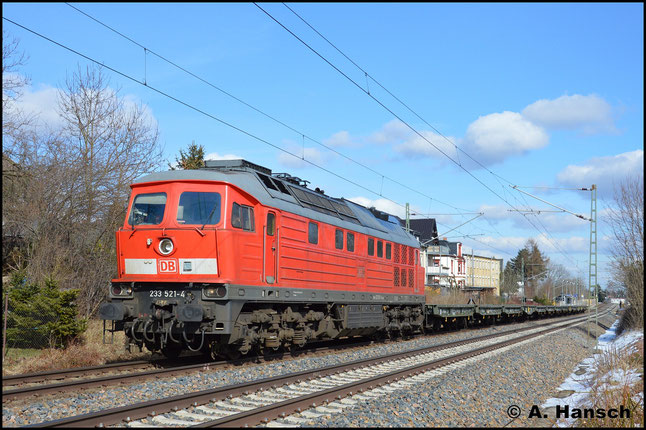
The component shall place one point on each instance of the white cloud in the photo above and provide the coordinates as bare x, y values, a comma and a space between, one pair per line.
417, 145
604, 172
573, 244
490, 139
509, 244
493, 138
340, 139
494, 212
310, 154
591, 114
552, 222
393, 132
512, 244
216, 156
383, 205
42, 104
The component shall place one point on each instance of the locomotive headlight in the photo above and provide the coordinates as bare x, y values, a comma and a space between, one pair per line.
214, 292
166, 246
122, 290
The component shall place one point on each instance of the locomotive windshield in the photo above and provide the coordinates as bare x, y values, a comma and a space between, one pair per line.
147, 209
199, 208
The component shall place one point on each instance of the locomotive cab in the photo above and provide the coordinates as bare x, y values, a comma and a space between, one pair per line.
169, 262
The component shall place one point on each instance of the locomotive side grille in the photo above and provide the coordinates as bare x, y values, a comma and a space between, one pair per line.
396, 252
410, 278
403, 275
396, 276
411, 256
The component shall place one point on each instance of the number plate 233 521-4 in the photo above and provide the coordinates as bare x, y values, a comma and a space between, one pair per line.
167, 294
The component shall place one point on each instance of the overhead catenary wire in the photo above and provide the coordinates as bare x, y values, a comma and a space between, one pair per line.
302, 134
368, 75
397, 116
177, 100
144, 83
260, 111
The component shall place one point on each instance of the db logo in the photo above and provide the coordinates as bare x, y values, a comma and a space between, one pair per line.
168, 266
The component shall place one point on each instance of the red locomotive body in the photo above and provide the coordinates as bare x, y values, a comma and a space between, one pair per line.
230, 258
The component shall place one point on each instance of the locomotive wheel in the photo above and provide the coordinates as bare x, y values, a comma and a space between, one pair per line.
171, 351
229, 352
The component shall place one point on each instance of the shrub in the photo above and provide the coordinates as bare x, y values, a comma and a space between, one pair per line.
41, 315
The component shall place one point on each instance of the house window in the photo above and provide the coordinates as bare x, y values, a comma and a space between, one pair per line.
338, 239
313, 233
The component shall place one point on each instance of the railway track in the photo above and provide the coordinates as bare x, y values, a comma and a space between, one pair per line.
122, 373
61, 374
265, 400
161, 368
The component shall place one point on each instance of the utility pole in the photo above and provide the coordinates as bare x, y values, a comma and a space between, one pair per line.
592, 280
522, 274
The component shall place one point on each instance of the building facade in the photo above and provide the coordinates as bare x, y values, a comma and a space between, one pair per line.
448, 268
445, 265
483, 273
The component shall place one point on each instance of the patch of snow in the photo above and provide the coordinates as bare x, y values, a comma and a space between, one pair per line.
580, 383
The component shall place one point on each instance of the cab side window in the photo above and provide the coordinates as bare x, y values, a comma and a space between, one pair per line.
242, 217
371, 246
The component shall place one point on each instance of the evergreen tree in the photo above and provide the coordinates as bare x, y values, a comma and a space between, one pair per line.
41, 316
192, 159
529, 265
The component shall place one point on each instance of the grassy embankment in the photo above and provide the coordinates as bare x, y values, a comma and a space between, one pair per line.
88, 350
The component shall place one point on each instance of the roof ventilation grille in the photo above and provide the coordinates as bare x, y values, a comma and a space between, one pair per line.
238, 164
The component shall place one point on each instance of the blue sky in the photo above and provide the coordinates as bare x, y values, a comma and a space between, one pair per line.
538, 94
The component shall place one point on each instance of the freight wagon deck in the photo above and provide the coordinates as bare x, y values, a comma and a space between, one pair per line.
450, 316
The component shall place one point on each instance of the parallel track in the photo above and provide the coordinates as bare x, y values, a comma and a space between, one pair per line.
164, 369
219, 395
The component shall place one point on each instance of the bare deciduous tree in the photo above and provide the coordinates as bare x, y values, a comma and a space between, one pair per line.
72, 186
626, 220
556, 277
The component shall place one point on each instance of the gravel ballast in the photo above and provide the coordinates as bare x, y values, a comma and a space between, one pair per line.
442, 401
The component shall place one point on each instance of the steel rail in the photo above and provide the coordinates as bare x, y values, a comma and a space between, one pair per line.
120, 379
66, 373
290, 406
154, 407
22, 392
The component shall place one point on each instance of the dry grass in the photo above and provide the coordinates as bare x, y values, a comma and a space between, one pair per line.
88, 350
632, 318
615, 384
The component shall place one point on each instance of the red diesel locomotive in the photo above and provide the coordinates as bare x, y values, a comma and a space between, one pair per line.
230, 257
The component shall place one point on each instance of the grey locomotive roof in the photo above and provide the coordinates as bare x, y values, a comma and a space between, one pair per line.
247, 179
